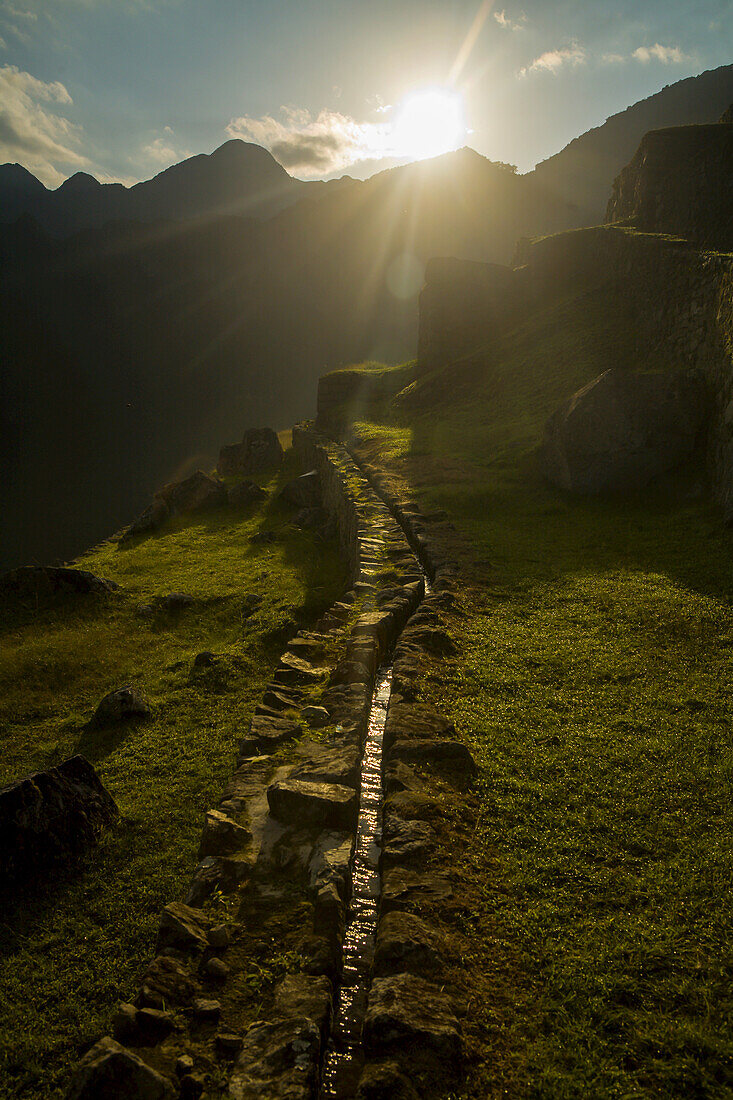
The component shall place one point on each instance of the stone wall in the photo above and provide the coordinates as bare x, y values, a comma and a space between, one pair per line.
680, 300
680, 181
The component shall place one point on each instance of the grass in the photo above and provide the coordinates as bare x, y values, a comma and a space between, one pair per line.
595, 641
74, 947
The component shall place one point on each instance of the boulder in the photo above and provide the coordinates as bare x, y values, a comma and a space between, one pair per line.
404, 943
385, 1081
109, 1072
245, 493
121, 705
303, 492
56, 814
194, 494
622, 430
306, 803
259, 450
43, 581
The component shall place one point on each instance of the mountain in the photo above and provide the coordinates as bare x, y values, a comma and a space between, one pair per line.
237, 178
583, 172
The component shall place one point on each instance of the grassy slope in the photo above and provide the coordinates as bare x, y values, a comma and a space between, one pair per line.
71, 950
594, 686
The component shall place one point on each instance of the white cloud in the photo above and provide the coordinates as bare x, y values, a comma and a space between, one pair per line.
31, 132
613, 58
20, 13
668, 55
314, 146
3, 43
509, 24
553, 60
161, 150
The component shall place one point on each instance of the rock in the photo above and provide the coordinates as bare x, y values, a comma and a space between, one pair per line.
267, 734
192, 1086
206, 1009
406, 841
154, 1024
403, 888
109, 1072
183, 928
305, 995
184, 1065
205, 659
405, 1013
245, 493
259, 450
385, 1081
305, 803
404, 943
42, 581
217, 969
122, 705
166, 982
316, 717
303, 491
219, 938
329, 913
279, 1059
151, 519
293, 670
221, 835
228, 1042
194, 494
416, 722
124, 1024
330, 861
177, 601
53, 815
622, 430
447, 756
328, 764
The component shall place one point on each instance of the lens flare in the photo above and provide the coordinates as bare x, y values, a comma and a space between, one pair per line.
429, 123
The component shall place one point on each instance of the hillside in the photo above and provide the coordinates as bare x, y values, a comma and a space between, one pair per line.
146, 346
581, 173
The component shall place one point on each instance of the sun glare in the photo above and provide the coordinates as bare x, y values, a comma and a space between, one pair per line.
429, 123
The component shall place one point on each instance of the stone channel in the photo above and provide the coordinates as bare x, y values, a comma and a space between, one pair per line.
294, 845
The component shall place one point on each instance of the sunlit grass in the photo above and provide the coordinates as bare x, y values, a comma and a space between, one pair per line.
74, 947
596, 654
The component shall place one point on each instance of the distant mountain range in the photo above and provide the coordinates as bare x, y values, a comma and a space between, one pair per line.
241, 179
143, 327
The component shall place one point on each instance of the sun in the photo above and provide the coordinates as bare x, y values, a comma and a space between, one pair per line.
429, 123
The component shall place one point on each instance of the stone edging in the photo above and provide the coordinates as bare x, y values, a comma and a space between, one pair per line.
299, 817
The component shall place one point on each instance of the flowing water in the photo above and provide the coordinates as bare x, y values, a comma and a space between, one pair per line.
344, 1059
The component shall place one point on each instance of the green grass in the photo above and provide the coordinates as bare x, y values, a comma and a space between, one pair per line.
596, 642
77, 944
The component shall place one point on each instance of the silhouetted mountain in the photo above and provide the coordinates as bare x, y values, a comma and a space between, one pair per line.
237, 178
583, 172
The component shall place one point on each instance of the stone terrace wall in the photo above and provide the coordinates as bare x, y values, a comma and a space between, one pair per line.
680, 298
680, 181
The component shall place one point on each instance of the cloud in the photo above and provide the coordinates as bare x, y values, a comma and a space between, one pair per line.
30, 130
313, 146
613, 58
668, 55
553, 60
3, 43
509, 24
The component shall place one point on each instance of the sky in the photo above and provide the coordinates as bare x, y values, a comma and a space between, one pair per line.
124, 88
